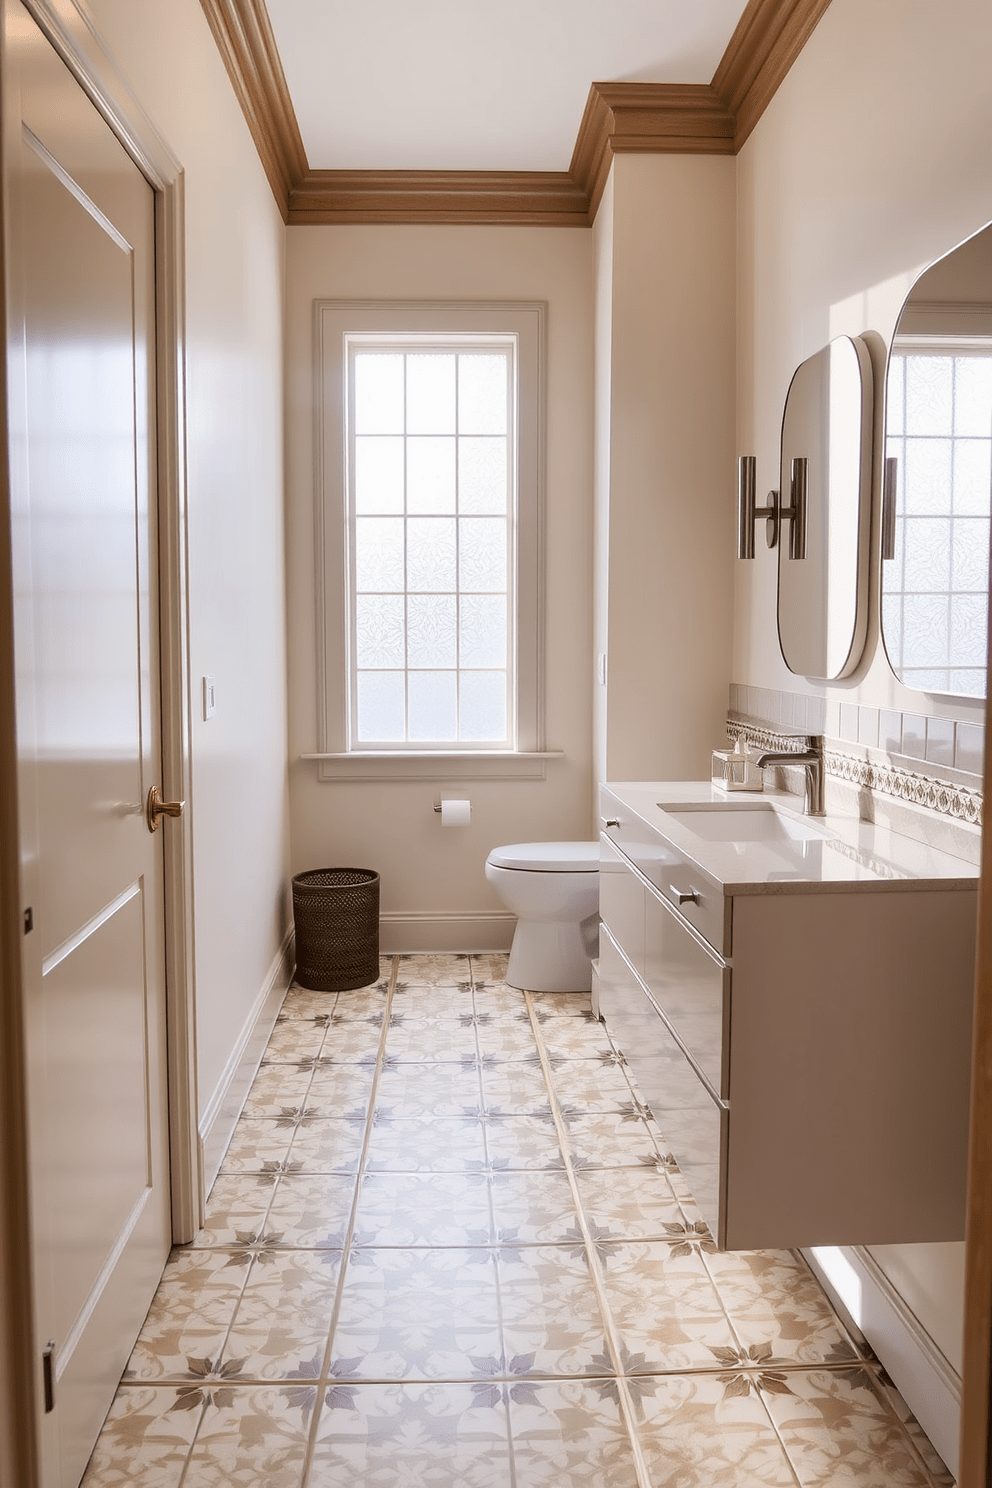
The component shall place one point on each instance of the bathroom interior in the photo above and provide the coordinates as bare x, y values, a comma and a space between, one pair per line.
675, 321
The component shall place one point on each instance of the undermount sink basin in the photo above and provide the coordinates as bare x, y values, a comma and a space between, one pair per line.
751, 821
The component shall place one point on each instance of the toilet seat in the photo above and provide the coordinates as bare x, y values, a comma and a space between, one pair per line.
547, 857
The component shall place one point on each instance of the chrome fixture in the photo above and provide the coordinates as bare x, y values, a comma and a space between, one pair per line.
775, 513
811, 759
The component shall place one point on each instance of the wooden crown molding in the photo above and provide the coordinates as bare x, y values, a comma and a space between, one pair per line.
620, 118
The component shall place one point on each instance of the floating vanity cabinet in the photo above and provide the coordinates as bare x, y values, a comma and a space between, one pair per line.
804, 1043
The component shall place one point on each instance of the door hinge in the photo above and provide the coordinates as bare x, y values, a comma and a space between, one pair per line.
48, 1372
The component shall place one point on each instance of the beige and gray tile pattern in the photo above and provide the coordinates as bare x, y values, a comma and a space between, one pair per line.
449, 1248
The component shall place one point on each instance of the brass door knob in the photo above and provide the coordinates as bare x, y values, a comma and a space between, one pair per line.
157, 808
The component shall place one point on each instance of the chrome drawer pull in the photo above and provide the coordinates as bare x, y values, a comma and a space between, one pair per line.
684, 896
611, 821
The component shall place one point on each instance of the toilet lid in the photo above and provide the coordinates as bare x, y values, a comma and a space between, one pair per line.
548, 857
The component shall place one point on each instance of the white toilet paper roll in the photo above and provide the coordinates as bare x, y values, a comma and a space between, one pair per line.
456, 813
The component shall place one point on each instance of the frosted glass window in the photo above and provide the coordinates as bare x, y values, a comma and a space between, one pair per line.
432, 513
935, 601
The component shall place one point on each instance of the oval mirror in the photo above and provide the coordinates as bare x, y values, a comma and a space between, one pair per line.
825, 484
937, 488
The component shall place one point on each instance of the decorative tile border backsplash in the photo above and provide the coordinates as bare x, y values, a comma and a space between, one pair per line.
946, 745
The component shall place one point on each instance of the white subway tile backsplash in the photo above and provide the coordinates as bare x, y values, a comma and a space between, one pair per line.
831, 726
940, 741
849, 722
914, 736
816, 715
890, 731
868, 727
969, 747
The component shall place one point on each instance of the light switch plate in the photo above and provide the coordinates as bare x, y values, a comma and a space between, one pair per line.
209, 698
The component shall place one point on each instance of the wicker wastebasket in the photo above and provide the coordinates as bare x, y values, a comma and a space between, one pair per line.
336, 913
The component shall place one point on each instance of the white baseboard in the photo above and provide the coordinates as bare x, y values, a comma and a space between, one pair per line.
929, 1384
221, 1113
485, 930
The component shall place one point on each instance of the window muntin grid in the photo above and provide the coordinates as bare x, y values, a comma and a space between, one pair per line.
432, 516
935, 590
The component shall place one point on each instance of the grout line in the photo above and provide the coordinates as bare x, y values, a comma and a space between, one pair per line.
349, 1233
626, 1403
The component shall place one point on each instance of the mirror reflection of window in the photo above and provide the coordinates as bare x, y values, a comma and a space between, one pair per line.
939, 430
938, 435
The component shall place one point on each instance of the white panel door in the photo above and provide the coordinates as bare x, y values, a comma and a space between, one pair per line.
80, 230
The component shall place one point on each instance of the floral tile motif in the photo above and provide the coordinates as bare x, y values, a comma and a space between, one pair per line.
423, 1209
445, 1144
326, 1145
666, 1309
576, 1038
611, 1139
515, 1089
339, 1087
283, 1317
928, 1453
303, 1003
257, 1140
146, 1440
632, 1203
310, 1211
570, 1434
837, 1428
585, 1085
552, 1323
435, 971
523, 1143
568, 1003
275, 1087
293, 1039
350, 1041
365, 1006
190, 1314
773, 1300
250, 1436
411, 1436
489, 967
507, 1038
416, 1314
701, 1431
415, 1041
496, 1000
236, 1210
424, 1090
533, 1207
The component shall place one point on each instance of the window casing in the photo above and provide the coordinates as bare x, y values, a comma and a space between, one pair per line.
429, 527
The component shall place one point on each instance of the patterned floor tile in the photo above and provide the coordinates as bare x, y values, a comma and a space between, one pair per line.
361, 1007
411, 1436
250, 1437
523, 1143
775, 1305
423, 1209
340, 1087
146, 1440
236, 1210
631, 1203
507, 1038
431, 1040
666, 1309
928, 1454
443, 1144
281, 1326
435, 971
575, 1038
707, 1432
489, 967
515, 1089
611, 1139
570, 1434
274, 1088
497, 1000
293, 1039
311, 1211
588, 1086
568, 1003
531, 1208
302, 1003
552, 1322
416, 1314
326, 1145
257, 1140
425, 1090
837, 1428
190, 1315
351, 1041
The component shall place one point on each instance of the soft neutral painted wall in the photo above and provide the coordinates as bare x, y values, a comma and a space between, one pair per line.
433, 889
235, 242
872, 160
665, 427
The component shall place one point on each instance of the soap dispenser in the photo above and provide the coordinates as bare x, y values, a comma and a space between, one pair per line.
735, 769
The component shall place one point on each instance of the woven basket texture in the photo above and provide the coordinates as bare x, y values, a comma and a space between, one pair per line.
336, 913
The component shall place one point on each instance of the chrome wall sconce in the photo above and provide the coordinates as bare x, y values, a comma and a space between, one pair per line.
775, 513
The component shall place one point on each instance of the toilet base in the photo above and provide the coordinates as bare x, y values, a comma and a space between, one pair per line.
552, 955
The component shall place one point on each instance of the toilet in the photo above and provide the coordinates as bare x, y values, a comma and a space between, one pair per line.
553, 889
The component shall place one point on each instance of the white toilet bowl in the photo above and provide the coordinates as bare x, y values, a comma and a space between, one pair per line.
553, 889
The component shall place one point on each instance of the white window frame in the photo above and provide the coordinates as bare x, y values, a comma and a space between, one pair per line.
334, 322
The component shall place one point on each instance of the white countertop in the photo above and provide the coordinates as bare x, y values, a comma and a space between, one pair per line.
849, 850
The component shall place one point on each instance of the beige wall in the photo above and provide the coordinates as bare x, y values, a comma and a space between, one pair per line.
234, 285
872, 160
434, 892
665, 491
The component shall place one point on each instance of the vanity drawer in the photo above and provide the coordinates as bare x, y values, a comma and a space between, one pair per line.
691, 985
621, 902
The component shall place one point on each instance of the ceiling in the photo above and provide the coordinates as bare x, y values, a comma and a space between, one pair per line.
477, 84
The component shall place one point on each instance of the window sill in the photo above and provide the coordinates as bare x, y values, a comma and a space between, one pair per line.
435, 765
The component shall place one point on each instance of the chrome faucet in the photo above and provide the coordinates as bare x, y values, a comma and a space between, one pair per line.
812, 760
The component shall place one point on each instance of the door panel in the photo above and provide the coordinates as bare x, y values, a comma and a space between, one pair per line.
81, 396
